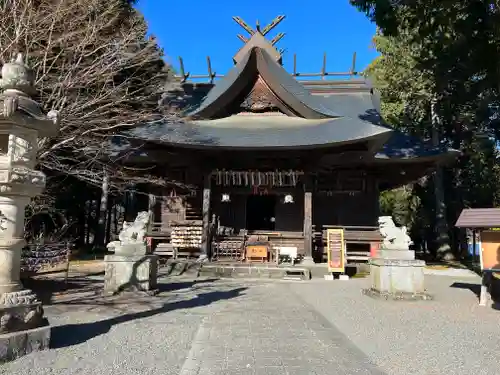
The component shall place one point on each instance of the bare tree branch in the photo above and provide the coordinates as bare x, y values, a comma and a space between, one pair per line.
94, 64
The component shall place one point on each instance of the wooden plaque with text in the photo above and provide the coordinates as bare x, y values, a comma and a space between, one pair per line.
336, 250
257, 252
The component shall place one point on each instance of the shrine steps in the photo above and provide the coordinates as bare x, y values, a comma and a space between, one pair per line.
255, 270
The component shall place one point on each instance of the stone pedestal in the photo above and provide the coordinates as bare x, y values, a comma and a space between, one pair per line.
396, 254
394, 271
397, 278
17, 344
130, 272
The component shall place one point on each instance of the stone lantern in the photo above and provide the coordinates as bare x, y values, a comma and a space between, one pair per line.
23, 328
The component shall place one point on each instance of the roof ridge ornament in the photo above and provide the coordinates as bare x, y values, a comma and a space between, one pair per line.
258, 39
270, 26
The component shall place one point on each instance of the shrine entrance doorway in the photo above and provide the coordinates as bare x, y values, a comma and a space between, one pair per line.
261, 212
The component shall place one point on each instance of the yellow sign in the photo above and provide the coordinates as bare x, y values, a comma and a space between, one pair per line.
336, 250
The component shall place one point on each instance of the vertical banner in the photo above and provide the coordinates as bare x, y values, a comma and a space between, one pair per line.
336, 250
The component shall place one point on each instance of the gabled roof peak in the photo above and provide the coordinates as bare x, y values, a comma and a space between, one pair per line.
288, 94
257, 41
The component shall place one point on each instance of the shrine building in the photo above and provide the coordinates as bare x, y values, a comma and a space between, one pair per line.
276, 157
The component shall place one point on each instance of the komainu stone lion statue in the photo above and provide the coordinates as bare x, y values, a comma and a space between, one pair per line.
394, 238
132, 233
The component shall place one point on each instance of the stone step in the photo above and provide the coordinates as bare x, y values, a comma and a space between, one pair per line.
260, 272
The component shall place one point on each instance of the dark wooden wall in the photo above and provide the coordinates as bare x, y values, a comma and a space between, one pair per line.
359, 209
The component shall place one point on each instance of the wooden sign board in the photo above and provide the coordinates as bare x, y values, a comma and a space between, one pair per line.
256, 252
336, 250
490, 251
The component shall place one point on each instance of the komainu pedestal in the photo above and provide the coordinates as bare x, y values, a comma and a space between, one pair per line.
130, 268
397, 279
394, 271
130, 273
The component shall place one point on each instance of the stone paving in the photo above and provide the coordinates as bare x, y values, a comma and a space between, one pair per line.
261, 327
270, 332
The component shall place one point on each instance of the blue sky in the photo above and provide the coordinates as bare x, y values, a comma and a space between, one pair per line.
195, 29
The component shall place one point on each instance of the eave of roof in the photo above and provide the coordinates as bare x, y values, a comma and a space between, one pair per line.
404, 148
479, 218
263, 132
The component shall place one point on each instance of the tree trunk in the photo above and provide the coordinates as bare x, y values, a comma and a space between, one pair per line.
442, 240
103, 211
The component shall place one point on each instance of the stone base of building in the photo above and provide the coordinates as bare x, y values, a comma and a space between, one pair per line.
17, 344
397, 278
138, 273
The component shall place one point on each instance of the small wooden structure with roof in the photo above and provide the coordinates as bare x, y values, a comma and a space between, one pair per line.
276, 157
486, 221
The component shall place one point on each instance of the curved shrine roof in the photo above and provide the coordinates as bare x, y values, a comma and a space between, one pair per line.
313, 113
309, 120
254, 131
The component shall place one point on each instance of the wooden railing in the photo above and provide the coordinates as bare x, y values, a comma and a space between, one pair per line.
353, 236
232, 246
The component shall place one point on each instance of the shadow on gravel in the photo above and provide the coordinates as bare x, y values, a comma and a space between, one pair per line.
95, 297
173, 286
494, 290
47, 289
74, 334
473, 287
178, 268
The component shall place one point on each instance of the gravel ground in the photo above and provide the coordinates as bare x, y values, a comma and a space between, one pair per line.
449, 335
262, 327
94, 335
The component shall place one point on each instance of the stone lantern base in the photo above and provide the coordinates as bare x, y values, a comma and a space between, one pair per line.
23, 328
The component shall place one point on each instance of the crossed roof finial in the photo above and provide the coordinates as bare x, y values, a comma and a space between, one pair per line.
275, 22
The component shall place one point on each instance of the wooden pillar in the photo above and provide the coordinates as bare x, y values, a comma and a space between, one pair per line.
205, 237
376, 190
308, 235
